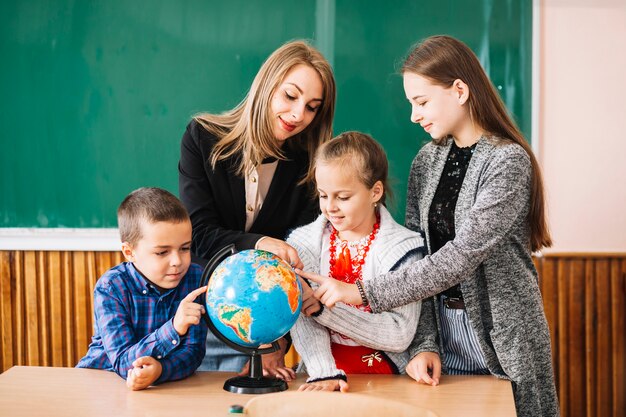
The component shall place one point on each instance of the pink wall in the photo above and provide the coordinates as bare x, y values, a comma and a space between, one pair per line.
582, 122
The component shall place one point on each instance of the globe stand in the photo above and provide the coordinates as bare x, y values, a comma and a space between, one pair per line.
254, 382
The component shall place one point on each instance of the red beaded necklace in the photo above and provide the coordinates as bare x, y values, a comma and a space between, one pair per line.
344, 268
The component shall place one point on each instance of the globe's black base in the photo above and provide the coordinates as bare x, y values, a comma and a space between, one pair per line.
249, 385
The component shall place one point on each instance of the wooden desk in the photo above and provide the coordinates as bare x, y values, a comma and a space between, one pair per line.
28, 391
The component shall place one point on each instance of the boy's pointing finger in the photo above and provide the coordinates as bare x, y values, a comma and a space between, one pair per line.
195, 293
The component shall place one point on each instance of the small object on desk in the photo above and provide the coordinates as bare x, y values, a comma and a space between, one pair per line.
236, 409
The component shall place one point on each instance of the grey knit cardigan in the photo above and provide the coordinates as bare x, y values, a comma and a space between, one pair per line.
390, 331
491, 259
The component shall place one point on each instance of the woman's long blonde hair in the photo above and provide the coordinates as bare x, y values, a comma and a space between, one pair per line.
444, 59
247, 130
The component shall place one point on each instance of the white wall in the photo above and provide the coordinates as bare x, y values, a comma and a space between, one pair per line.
582, 122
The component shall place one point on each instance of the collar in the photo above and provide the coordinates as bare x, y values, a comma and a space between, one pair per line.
143, 284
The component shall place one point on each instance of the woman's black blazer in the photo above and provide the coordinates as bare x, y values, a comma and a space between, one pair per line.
215, 198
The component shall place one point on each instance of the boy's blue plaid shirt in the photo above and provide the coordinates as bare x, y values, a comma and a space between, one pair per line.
132, 319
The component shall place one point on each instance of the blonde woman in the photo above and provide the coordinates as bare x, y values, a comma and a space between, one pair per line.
245, 174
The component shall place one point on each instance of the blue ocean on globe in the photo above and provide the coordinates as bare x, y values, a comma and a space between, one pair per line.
254, 298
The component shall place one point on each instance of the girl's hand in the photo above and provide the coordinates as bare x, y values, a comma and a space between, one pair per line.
331, 291
282, 249
328, 385
425, 368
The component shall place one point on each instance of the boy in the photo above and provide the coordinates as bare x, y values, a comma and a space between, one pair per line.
147, 326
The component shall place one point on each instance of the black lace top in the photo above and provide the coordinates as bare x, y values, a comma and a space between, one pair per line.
441, 215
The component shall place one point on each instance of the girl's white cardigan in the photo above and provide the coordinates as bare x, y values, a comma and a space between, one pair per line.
391, 332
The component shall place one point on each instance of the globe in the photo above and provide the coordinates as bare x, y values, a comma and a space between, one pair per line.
254, 298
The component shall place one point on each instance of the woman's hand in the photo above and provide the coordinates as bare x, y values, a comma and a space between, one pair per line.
282, 249
425, 368
328, 385
274, 363
331, 291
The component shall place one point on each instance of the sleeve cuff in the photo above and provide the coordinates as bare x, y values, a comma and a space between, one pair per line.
427, 347
256, 245
341, 375
167, 340
371, 300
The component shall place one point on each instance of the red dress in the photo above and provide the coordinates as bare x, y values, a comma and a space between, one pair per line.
355, 359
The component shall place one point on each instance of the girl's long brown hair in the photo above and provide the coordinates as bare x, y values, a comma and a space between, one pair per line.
444, 59
247, 130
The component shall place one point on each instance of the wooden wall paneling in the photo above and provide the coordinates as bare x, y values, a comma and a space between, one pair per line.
602, 365
79, 304
588, 332
90, 279
7, 340
41, 298
562, 269
18, 300
54, 288
575, 318
30, 312
548, 283
68, 272
291, 357
618, 331
104, 261
589, 336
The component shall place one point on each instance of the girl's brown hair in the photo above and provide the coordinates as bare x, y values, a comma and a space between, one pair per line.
444, 59
359, 151
247, 129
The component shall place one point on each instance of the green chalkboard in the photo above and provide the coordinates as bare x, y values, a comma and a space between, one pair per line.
95, 95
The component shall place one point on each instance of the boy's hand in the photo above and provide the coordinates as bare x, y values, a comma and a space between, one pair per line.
310, 304
144, 372
328, 385
425, 368
332, 291
188, 312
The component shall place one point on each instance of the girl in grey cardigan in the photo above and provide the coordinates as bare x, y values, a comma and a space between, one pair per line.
355, 239
476, 192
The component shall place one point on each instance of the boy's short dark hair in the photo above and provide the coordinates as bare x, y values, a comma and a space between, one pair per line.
150, 204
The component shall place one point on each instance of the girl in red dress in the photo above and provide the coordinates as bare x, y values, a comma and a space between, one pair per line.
354, 239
